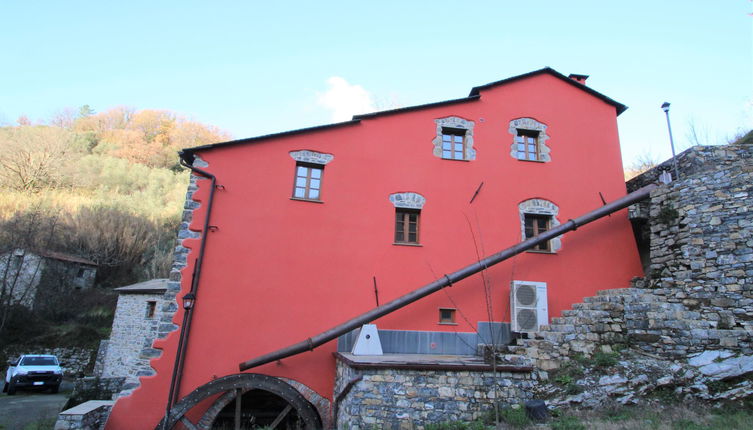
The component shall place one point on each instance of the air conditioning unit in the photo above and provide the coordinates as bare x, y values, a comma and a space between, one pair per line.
529, 307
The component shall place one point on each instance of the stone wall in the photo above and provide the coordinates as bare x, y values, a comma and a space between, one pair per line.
701, 249
410, 399
91, 415
133, 331
698, 294
74, 361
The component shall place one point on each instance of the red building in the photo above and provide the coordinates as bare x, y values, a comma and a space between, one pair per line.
311, 227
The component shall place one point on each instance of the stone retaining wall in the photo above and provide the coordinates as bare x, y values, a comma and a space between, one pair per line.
91, 415
75, 361
698, 294
409, 399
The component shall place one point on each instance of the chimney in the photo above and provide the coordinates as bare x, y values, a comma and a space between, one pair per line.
581, 79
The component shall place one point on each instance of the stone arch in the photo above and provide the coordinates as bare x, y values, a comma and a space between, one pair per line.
308, 156
408, 200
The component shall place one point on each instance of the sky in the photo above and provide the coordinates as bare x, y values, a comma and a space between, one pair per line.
253, 68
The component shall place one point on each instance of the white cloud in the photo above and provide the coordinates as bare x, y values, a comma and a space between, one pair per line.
345, 99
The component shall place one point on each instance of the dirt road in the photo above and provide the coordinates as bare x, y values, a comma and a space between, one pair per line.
26, 407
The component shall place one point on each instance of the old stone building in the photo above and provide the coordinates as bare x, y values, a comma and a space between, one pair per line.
23, 271
134, 327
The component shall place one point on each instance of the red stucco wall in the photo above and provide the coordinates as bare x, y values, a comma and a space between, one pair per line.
279, 270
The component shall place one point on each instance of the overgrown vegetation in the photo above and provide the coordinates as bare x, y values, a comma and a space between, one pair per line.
567, 376
605, 359
657, 416
104, 187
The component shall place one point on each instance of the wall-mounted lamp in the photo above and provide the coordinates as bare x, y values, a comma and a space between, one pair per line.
188, 301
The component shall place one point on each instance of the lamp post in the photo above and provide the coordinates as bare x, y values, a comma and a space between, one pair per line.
665, 108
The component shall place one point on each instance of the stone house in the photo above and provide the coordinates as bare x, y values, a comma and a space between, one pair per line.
23, 271
285, 236
134, 328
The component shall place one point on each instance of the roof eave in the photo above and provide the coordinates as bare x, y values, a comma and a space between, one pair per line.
619, 107
187, 154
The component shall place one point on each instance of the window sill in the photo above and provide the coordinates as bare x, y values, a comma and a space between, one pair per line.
306, 200
455, 159
532, 161
407, 244
533, 251
447, 323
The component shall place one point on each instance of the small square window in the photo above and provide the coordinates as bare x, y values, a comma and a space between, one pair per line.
446, 316
151, 307
406, 225
308, 181
453, 143
534, 226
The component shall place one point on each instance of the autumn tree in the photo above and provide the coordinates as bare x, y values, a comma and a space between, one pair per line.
32, 157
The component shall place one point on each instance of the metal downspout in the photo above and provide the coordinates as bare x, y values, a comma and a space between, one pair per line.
447, 280
185, 328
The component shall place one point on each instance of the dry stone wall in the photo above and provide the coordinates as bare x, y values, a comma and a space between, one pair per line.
696, 301
410, 399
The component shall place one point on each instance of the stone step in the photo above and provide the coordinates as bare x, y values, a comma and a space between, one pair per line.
616, 291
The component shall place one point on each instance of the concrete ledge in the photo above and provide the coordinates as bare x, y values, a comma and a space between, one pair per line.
91, 415
432, 362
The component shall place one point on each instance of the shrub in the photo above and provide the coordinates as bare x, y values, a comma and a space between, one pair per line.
605, 359
515, 416
567, 423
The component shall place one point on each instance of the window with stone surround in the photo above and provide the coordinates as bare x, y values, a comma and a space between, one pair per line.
407, 217
536, 217
529, 140
309, 170
454, 139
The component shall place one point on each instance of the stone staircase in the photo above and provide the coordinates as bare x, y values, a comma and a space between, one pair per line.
613, 317
651, 321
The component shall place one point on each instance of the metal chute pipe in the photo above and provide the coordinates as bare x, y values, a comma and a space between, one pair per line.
447, 280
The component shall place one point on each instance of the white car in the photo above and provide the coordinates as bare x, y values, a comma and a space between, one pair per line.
33, 371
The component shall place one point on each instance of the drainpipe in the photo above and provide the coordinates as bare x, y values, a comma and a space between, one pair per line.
185, 327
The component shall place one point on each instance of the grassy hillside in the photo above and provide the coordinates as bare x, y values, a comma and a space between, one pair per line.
107, 187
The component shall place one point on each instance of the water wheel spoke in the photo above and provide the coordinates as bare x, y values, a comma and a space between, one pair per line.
255, 395
188, 424
282, 416
238, 397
